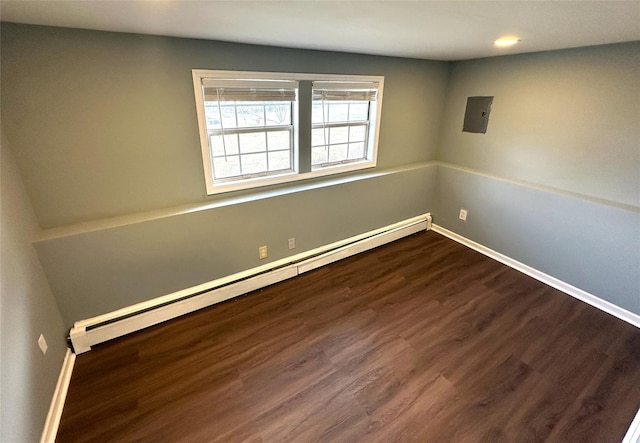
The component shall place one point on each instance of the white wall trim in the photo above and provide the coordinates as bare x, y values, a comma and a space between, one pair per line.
86, 333
633, 433
541, 187
58, 232
57, 401
578, 293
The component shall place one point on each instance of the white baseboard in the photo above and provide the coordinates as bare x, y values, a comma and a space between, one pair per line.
57, 401
89, 332
578, 293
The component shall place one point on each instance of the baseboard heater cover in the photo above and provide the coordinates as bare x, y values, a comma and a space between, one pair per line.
89, 332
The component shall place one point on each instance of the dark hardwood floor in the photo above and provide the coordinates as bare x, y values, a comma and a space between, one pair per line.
422, 340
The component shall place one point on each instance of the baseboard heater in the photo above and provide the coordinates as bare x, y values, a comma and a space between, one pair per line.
89, 332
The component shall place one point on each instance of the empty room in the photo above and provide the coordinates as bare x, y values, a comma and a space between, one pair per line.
359, 221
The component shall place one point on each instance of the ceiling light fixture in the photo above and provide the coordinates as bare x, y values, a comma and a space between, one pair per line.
506, 41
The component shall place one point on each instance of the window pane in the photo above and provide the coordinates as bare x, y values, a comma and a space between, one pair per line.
250, 116
228, 115
279, 161
278, 140
337, 153
212, 116
252, 142
254, 163
356, 151
278, 114
217, 148
359, 111
339, 135
319, 155
224, 168
317, 139
357, 133
338, 112
230, 145
316, 112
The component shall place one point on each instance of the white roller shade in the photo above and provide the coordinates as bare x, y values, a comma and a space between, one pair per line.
335, 91
249, 90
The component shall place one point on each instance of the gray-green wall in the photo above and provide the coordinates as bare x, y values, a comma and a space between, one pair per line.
27, 309
103, 130
103, 125
555, 181
99, 271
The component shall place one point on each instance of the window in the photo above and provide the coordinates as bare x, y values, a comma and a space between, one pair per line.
341, 123
252, 133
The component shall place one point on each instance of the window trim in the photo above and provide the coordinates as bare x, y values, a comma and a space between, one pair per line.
288, 176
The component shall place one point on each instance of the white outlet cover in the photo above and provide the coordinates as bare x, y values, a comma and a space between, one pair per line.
292, 243
42, 343
463, 214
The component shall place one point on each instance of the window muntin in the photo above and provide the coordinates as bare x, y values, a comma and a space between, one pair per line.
251, 134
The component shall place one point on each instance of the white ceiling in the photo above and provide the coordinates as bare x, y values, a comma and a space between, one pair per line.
438, 30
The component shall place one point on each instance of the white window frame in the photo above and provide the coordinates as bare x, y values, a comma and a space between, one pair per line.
343, 93
226, 185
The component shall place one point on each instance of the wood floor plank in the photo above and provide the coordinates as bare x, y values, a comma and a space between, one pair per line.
421, 340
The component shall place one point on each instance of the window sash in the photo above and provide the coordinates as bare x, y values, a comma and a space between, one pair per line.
240, 154
230, 131
328, 93
217, 108
328, 143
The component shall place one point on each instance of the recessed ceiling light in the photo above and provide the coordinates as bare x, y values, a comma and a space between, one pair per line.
506, 41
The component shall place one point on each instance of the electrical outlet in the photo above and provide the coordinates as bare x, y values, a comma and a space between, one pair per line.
262, 252
463, 214
42, 343
292, 243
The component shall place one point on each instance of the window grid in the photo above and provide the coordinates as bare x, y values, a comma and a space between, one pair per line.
267, 165
326, 125
243, 156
